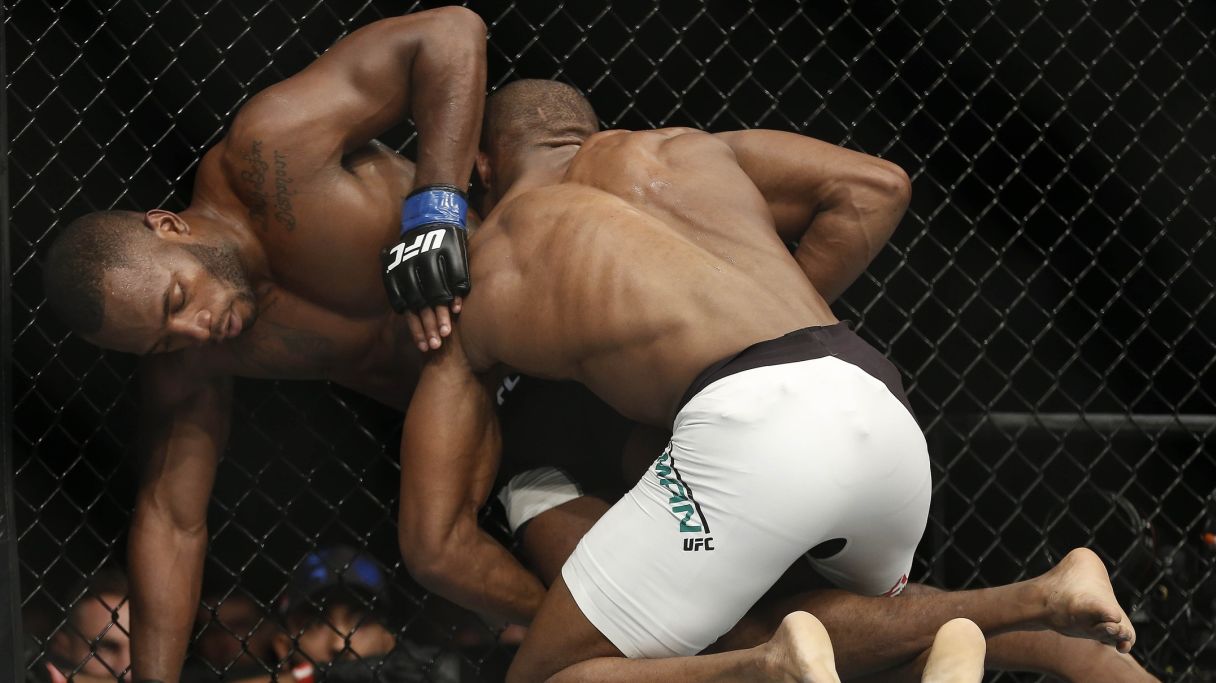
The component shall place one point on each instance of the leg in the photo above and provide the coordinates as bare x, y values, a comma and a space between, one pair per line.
563, 645
873, 634
870, 634
549, 538
1073, 660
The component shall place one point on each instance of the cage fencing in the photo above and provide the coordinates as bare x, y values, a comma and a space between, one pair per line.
1048, 297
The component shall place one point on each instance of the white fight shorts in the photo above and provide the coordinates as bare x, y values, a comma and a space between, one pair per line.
800, 442
534, 492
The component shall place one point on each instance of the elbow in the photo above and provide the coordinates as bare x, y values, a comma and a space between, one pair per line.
459, 25
428, 557
890, 183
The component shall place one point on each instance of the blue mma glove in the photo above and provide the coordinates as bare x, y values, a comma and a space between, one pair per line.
429, 266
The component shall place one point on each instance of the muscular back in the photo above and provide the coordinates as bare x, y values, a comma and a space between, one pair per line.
654, 257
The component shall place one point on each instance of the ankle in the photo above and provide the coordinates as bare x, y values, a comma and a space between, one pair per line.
1035, 602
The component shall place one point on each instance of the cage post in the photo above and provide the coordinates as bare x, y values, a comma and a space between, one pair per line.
10, 592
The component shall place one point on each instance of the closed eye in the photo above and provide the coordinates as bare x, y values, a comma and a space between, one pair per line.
179, 297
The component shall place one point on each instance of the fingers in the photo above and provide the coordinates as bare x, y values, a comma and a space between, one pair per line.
445, 320
416, 330
430, 327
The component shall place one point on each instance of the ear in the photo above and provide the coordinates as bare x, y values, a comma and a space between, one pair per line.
166, 223
484, 172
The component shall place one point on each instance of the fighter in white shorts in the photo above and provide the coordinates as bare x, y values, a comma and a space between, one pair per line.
801, 443
631, 262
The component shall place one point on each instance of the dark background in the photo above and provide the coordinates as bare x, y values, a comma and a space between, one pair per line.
1059, 257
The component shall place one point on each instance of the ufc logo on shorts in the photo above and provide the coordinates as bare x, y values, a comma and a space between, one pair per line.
695, 544
422, 244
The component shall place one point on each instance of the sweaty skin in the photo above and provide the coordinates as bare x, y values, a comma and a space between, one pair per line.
653, 258
308, 199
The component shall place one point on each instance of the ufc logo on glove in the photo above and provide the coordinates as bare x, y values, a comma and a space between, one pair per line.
429, 265
422, 243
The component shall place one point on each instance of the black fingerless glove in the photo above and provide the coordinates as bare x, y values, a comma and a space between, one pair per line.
429, 266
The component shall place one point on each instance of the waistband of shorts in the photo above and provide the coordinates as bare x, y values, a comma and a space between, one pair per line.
838, 340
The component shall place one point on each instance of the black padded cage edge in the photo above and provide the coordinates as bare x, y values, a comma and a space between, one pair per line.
10, 590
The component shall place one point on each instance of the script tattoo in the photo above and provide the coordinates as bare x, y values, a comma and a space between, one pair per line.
254, 178
278, 350
283, 192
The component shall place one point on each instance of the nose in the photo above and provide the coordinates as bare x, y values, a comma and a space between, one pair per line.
195, 327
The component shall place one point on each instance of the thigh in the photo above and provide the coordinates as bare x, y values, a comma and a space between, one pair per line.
679, 559
548, 539
559, 637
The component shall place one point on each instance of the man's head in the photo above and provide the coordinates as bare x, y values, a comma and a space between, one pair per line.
95, 640
336, 607
145, 283
523, 117
233, 630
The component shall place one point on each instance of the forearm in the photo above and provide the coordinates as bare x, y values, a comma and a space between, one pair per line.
477, 573
448, 82
166, 574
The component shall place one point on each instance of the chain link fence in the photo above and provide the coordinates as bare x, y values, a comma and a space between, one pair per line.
1049, 296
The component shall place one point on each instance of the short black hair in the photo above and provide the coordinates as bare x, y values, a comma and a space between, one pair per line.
108, 583
536, 105
80, 256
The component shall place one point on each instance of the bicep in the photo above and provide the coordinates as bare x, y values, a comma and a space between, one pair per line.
800, 176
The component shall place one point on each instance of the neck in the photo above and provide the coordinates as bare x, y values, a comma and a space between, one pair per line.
212, 226
537, 167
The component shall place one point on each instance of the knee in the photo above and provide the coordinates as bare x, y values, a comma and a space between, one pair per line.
961, 629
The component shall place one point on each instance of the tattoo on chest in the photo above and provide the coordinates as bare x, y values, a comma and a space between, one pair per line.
278, 349
254, 178
283, 192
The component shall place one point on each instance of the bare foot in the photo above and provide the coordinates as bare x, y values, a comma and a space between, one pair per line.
800, 651
957, 655
1081, 603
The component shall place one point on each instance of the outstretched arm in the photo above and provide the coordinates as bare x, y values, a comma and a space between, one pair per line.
840, 206
428, 65
184, 425
449, 456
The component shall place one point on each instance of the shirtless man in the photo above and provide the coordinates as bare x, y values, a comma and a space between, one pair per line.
647, 266
272, 271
